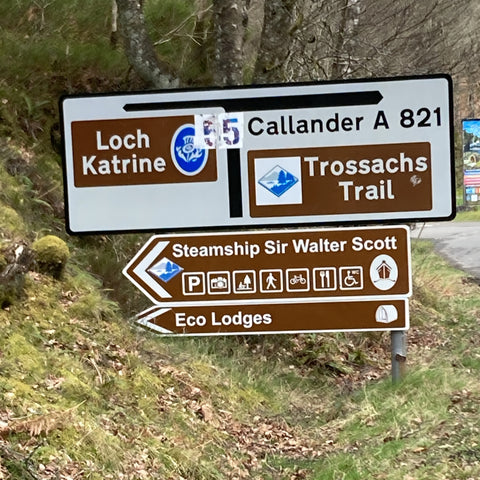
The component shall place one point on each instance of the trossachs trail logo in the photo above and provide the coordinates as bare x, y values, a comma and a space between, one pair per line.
278, 181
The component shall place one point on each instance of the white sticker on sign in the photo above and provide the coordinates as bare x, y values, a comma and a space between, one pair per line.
224, 130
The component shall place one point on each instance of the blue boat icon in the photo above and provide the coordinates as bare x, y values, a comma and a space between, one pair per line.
278, 180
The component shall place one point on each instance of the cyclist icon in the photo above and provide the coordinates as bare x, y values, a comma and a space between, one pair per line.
298, 279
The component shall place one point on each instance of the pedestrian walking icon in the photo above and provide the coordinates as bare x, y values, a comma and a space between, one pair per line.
271, 281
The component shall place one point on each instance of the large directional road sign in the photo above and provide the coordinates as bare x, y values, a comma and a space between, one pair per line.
320, 153
274, 266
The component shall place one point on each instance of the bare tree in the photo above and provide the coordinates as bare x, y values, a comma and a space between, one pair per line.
305, 40
253, 37
407, 37
240, 41
331, 39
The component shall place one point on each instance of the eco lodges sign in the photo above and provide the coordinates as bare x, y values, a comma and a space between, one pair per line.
318, 153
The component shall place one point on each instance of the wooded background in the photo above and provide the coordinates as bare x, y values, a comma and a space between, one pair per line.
235, 42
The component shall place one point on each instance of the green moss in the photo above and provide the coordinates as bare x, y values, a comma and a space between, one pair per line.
51, 254
77, 388
13, 389
24, 357
10, 221
88, 441
93, 305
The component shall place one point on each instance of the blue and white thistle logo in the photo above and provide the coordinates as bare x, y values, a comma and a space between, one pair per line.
188, 158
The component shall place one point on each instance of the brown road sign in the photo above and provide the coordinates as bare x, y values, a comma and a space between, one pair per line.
274, 266
349, 171
310, 317
136, 151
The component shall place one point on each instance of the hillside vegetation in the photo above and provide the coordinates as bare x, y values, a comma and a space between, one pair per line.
85, 394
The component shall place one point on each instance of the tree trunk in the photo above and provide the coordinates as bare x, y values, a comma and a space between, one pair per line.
229, 25
339, 52
278, 26
139, 47
253, 37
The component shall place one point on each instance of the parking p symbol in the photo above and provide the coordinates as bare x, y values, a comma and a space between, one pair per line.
193, 283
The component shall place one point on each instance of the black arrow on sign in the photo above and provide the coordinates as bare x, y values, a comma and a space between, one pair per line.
344, 99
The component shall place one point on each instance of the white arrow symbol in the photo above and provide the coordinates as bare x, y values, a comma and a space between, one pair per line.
144, 318
141, 272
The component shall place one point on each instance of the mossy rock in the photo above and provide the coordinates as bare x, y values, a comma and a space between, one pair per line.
51, 255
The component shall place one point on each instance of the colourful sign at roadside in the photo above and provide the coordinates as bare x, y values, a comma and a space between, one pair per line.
296, 265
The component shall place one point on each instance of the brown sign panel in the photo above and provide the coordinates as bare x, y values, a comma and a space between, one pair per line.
339, 180
136, 151
273, 266
278, 318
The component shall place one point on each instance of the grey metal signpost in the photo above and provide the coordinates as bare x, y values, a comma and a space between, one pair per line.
399, 355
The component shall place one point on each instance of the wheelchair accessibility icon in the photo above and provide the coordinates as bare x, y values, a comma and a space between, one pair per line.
351, 278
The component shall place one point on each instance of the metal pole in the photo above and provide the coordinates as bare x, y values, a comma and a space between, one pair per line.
399, 355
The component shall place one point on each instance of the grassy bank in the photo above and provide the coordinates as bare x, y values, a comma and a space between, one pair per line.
84, 394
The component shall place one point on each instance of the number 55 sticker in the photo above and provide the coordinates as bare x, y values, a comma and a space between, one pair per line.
224, 130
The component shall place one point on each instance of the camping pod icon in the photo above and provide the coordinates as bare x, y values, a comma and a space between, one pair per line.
384, 272
386, 314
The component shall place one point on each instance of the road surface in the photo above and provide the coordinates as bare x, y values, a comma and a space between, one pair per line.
458, 242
